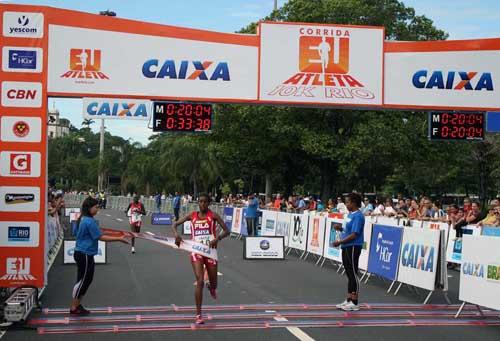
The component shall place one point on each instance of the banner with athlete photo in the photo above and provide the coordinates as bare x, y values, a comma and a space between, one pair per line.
298, 232
283, 226
268, 226
332, 235
237, 220
186, 245
316, 234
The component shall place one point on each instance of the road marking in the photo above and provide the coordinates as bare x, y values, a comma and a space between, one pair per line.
119, 219
297, 332
108, 215
2, 333
219, 273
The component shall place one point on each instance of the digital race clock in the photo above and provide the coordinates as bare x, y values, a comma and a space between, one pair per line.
456, 126
182, 116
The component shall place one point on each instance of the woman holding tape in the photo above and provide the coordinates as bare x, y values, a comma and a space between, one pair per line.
351, 244
203, 230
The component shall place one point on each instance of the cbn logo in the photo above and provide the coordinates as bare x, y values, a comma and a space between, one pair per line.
117, 109
452, 80
420, 257
197, 70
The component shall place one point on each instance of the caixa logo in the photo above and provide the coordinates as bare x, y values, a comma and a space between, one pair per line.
472, 269
189, 70
118, 109
417, 256
453, 80
71, 251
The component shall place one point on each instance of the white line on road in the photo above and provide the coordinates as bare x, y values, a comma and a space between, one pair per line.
108, 215
119, 219
297, 332
2, 333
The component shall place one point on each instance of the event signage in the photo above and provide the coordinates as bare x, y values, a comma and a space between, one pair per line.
298, 231
456, 126
161, 219
20, 164
328, 64
268, 226
227, 216
23, 24
264, 247
454, 247
480, 271
69, 251
117, 109
384, 251
365, 251
283, 226
20, 129
19, 234
316, 234
419, 258
22, 59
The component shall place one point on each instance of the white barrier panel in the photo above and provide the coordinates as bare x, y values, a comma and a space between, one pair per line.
186, 227
237, 220
268, 226
387, 221
417, 223
419, 258
331, 235
69, 251
435, 225
316, 234
480, 272
283, 226
454, 247
298, 231
67, 211
268, 247
365, 251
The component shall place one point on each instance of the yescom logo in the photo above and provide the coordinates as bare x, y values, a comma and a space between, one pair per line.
85, 66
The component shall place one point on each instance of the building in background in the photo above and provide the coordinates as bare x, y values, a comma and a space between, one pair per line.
57, 127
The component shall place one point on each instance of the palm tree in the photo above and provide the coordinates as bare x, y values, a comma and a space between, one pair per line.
87, 122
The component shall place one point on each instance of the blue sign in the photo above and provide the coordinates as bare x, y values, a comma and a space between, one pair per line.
228, 217
19, 233
493, 122
21, 59
161, 219
385, 248
493, 231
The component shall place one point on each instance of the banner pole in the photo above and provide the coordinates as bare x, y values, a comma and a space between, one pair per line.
460, 309
390, 288
399, 287
428, 297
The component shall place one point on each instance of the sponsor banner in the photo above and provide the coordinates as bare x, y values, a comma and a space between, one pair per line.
22, 25
74, 216
22, 59
20, 129
118, 109
365, 251
307, 63
265, 247
152, 67
480, 271
186, 227
454, 247
69, 251
186, 245
332, 235
298, 231
18, 270
435, 225
227, 216
419, 258
20, 164
22, 94
19, 234
283, 226
237, 220
268, 226
316, 234
161, 219
19, 199
443, 79
384, 251
492, 231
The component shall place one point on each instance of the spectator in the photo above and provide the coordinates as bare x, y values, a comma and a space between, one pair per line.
459, 222
158, 202
251, 217
474, 216
467, 205
497, 214
320, 207
176, 204
330, 205
389, 210
491, 218
439, 213
341, 207
379, 209
402, 208
368, 209
312, 204
451, 213
413, 210
301, 205
426, 210
277, 202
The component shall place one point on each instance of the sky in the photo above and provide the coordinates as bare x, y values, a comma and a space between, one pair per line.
462, 19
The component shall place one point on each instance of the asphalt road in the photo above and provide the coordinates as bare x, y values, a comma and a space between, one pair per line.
161, 276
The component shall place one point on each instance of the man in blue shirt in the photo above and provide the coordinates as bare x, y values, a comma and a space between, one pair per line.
176, 203
351, 244
251, 217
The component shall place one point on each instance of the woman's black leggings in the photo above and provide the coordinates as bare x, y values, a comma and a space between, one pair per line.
85, 265
350, 260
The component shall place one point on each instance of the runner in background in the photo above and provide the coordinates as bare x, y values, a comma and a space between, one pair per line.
135, 211
203, 230
87, 235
